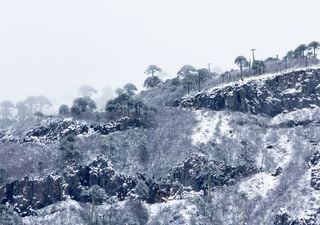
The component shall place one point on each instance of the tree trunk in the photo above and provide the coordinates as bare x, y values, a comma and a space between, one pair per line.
306, 61
241, 73
92, 211
209, 188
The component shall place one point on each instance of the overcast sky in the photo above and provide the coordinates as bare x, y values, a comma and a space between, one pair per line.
52, 47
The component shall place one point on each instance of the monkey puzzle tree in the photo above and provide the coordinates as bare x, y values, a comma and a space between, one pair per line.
188, 81
299, 51
187, 70
42, 101
314, 45
64, 110
86, 91
6, 107
203, 75
258, 66
189, 76
82, 106
31, 102
153, 69
22, 110
39, 115
152, 81
130, 89
242, 62
97, 195
290, 55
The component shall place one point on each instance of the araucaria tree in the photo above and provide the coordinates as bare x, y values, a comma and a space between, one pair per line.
22, 111
64, 110
87, 91
152, 70
299, 51
189, 76
97, 195
152, 81
6, 107
130, 89
42, 101
203, 75
314, 45
82, 106
242, 62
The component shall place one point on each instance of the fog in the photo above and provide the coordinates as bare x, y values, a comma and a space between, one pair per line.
53, 47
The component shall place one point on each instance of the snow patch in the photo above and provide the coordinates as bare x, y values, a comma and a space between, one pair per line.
258, 185
298, 115
210, 125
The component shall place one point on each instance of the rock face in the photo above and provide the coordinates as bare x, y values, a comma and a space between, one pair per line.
285, 219
119, 125
269, 96
29, 194
315, 172
199, 172
52, 131
55, 130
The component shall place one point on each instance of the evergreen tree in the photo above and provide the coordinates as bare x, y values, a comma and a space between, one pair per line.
242, 62
151, 82
152, 70
64, 110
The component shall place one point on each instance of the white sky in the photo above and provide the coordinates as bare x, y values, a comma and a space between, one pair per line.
52, 47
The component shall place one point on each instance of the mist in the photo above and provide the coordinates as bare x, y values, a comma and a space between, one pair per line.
53, 47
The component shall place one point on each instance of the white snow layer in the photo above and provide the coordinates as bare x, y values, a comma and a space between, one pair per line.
258, 185
210, 125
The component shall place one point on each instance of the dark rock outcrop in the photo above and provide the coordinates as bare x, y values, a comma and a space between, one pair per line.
29, 194
55, 131
285, 219
315, 171
119, 125
52, 131
197, 171
269, 96
315, 178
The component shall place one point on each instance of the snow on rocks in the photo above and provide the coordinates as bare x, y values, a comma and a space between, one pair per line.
53, 130
267, 94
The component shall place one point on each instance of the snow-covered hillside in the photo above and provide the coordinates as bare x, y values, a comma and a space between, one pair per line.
238, 153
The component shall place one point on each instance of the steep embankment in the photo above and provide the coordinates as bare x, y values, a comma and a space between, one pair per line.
266, 95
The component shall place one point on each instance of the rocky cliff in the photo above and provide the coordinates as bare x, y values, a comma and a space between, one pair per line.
266, 95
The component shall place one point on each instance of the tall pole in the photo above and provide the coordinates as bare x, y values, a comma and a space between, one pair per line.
209, 67
253, 50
